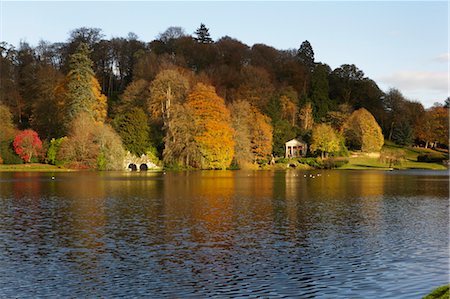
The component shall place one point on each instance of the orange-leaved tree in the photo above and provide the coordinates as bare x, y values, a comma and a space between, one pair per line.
214, 136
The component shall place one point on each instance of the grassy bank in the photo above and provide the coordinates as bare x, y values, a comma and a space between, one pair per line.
439, 293
357, 160
31, 167
363, 161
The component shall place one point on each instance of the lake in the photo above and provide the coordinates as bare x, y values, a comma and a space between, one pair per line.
224, 234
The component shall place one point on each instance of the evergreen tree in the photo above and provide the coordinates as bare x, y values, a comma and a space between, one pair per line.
133, 128
320, 90
305, 55
203, 35
82, 88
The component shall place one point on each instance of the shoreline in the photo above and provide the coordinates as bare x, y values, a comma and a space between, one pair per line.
37, 167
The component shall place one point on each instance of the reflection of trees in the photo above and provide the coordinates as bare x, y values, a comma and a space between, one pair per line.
372, 184
203, 198
27, 184
84, 223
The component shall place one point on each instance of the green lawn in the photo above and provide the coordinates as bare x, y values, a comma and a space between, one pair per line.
411, 153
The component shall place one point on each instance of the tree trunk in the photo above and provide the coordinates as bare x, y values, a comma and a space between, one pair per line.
390, 132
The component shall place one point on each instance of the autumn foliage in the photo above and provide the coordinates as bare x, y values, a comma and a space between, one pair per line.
362, 132
251, 100
214, 137
324, 140
27, 145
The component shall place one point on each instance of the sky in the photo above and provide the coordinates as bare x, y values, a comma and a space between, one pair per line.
402, 44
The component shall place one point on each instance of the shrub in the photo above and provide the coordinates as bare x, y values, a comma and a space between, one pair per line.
8, 154
92, 144
282, 160
431, 158
52, 153
328, 163
313, 162
392, 157
333, 163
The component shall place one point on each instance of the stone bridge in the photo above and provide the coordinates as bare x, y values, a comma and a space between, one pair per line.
142, 163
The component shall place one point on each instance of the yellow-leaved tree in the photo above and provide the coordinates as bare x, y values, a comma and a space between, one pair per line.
252, 133
324, 139
214, 135
261, 135
362, 132
170, 87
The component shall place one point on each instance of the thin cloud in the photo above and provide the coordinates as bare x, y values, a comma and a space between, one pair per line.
444, 57
415, 80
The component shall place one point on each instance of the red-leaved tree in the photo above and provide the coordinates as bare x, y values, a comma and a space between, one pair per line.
27, 145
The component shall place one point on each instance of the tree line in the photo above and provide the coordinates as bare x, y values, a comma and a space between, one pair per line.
194, 102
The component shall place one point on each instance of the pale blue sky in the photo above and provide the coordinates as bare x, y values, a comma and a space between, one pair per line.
398, 44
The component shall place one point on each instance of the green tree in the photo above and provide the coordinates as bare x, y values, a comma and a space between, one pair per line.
343, 81
362, 132
7, 133
320, 90
135, 95
324, 139
53, 149
49, 106
403, 133
82, 88
133, 128
8, 130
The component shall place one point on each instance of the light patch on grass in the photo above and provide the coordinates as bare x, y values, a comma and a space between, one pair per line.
362, 161
31, 167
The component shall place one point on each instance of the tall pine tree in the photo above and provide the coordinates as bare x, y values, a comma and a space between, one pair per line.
82, 88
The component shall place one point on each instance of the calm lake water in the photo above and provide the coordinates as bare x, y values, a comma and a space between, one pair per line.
224, 234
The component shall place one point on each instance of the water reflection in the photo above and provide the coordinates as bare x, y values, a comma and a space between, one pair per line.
308, 234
